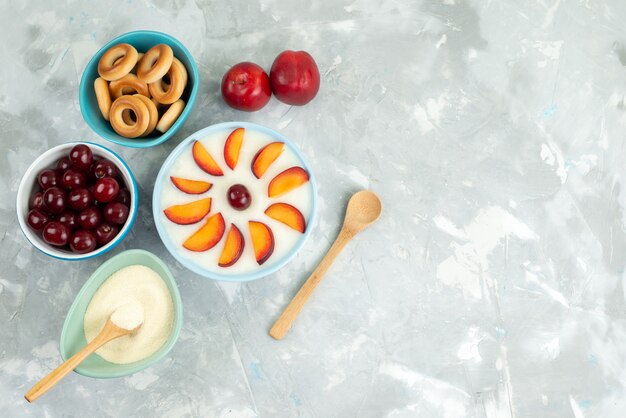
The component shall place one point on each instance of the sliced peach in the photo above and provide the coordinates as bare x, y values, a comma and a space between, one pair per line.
262, 241
287, 180
232, 147
208, 235
233, 247
287, 214
189, 213
191, 186
265, 157
204, 160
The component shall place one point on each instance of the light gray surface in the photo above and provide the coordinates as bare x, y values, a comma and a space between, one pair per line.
491, 287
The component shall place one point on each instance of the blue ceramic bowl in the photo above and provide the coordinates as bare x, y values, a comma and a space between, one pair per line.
142, 40
29, 184
267, 268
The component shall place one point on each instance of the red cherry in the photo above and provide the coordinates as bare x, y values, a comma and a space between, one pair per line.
48, 178
123, 196
68, 218
55, 200
106, 189
89, 218
55, 233
80, 199
104, 168
83, 241
37, 219
105, 233
239, 197
116, 213
81, 157
63, 164
73, 179
36, 201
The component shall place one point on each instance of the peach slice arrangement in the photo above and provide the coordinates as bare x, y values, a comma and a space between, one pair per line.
215, 226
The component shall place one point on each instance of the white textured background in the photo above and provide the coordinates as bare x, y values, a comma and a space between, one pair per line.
494, 132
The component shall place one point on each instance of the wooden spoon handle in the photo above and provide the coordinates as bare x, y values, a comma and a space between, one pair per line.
284, 322
70, 364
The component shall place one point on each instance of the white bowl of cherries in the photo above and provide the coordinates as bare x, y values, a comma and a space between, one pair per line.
76, 201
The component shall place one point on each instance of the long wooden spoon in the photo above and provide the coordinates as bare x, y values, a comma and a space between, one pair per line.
364, 208
108, 333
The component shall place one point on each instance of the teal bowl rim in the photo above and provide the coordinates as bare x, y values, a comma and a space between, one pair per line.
117, 139
169, 244
149, 361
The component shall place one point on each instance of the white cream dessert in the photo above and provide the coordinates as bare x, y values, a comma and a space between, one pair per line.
235, 200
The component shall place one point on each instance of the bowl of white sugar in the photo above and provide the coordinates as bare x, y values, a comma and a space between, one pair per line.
137, 279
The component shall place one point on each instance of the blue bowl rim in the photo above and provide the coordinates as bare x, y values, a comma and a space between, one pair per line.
138, 143
154, 358
158, 186
120, 237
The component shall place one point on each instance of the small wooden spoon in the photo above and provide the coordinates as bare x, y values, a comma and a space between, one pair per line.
364, 208
108, 333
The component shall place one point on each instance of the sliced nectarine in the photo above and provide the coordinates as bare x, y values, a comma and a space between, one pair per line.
233, 247
262, 241
265, 157
232, 147
189, 213
191, 186
287, 180
287, 214
204, 160
208, 235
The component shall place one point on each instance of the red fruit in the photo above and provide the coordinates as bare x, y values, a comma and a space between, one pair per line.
73, 179
80, 199
103, 168
246, 87
89, 218
55, 200
82, 242
81, 157
55, 233
239, 197
105, 233
106, 189
294, 77
48, 178
123, 196
37, 219
68, 218
63, 164
36, 201
116, 213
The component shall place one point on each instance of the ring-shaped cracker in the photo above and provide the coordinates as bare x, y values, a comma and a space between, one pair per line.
155, 63
117, 61
129, 84
178, 80
142, 116
154, 114
103, 97
170, 116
